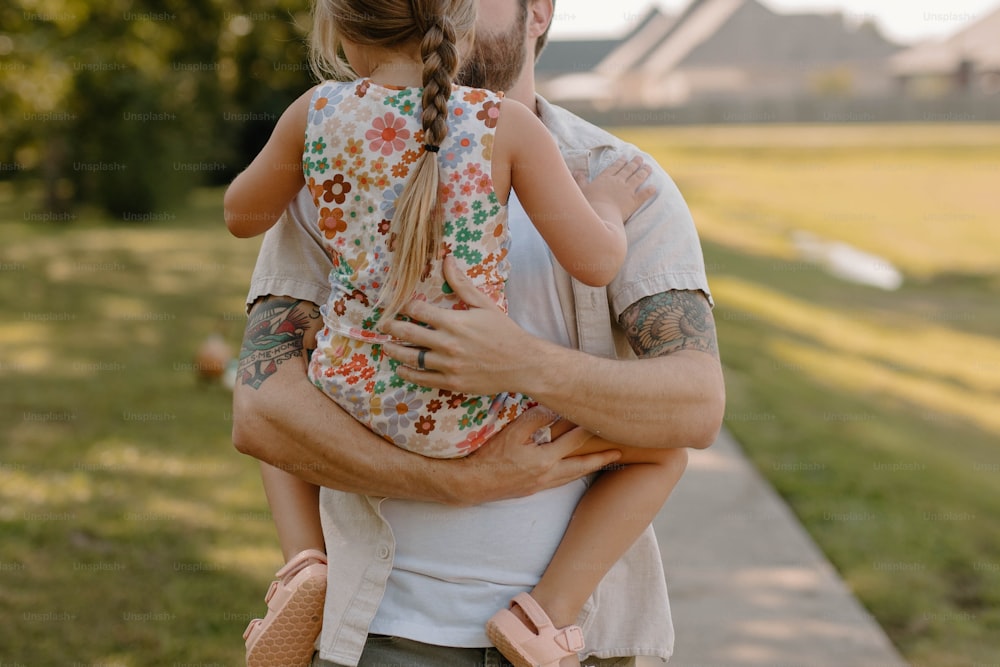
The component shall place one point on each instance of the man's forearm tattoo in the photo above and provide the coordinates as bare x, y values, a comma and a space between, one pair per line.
676, 320
275, 333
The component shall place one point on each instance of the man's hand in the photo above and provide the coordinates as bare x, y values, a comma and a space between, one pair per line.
475, 351
510, 465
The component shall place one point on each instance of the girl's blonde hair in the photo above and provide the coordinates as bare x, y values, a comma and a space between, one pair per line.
438, 26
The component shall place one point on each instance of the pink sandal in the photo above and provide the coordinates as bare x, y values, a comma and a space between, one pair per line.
287, 634
524, 648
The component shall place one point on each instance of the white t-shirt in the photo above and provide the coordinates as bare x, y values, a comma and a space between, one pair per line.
432, 565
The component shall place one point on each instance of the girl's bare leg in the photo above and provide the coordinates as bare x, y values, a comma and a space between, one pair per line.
612, 514
295, 508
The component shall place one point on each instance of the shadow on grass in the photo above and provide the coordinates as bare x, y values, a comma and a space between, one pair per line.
133, 533
895, 491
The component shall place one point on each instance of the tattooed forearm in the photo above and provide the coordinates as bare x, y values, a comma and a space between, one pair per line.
276, 332
676, 320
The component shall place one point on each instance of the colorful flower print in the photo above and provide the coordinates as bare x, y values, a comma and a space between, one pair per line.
331, 222
425, 424
357, 398
338, 162
355, 147
401, 101
484, 184
388, 134
325, 102
474, 96
356, 165
401, 407
476, 439
336, 190
489, 114
389, 198
459, 147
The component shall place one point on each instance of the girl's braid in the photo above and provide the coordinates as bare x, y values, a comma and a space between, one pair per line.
439, 51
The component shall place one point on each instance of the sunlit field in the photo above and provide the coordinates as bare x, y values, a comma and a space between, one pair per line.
875, 413
131, 532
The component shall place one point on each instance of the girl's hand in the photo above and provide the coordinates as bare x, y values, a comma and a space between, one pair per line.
619, 187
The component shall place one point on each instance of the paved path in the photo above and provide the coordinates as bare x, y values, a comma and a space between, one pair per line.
748, 587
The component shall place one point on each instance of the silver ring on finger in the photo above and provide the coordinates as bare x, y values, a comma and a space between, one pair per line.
420, 360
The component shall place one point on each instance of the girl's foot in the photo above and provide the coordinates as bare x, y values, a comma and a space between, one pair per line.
526, 636
287, 634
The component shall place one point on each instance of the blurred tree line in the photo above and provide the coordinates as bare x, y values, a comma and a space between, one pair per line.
127, 104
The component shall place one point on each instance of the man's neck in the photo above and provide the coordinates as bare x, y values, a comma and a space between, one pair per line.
523, 90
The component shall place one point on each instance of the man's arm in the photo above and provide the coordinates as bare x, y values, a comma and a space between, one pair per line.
672, 396
280, 418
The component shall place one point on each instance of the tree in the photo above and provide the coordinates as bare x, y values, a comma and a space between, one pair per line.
130, 104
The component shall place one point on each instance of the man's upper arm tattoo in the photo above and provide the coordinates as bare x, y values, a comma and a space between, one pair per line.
275, 333
675, 320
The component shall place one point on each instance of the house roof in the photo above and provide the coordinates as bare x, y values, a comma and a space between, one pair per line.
978, 43
699, 21
649, 32
578, 55
745, 32
584, 55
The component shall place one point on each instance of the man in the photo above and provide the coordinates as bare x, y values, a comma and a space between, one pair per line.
423, 550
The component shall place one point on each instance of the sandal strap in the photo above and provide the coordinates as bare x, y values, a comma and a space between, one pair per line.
570, 638
533, 611
271, 590
549, 648
299, 561
251, 627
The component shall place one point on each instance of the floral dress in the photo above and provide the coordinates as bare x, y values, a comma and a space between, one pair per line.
362, 140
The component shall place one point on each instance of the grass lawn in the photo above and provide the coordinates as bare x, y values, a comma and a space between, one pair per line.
875, 414
131, 533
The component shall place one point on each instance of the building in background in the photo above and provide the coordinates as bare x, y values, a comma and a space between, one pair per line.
737, 60
968, 62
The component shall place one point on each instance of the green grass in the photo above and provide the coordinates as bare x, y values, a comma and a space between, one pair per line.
131, 532
875, 414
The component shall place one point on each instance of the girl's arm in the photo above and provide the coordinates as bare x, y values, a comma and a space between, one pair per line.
582, 223
257, 197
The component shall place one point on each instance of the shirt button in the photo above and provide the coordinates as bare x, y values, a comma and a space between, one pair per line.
383, 552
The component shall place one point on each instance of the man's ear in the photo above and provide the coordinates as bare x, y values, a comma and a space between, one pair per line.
539, 16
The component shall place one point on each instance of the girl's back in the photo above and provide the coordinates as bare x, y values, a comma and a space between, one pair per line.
362, 139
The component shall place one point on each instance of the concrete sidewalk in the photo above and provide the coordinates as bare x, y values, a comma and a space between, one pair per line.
748, 587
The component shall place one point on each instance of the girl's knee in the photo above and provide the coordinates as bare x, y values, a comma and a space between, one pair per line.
673, 461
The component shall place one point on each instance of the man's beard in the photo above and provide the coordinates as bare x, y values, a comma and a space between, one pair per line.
496, 59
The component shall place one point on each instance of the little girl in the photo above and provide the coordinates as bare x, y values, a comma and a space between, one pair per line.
406, 168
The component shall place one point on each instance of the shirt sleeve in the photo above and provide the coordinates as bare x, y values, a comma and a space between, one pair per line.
292, 260
664, 251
